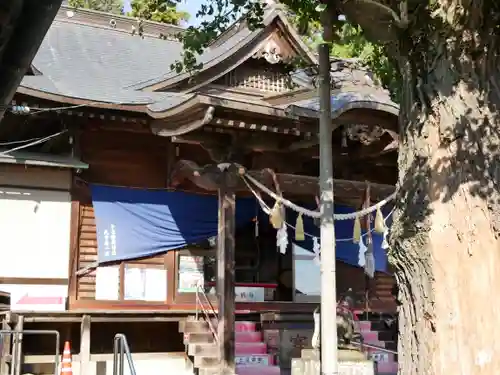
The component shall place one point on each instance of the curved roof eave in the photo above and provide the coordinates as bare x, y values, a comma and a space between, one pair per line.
385, 107
167, 107
275, 12
76, 101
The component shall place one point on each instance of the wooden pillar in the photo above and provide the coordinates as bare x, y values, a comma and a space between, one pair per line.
5, 356
225, 271
85, 345
17, 347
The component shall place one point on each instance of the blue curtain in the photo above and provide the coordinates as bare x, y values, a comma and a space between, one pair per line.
346, 251
135, 223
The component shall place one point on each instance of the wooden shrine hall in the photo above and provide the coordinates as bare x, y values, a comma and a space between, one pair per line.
139, 171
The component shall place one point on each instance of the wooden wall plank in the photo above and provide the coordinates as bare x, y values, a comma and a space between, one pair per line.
120, 159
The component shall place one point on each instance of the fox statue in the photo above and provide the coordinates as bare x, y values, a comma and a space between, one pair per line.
346, 331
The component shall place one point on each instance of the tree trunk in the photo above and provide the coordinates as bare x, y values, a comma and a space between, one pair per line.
445, 244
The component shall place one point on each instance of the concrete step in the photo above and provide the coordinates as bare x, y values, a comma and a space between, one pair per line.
391, 345
378, 325
193, 326
258, 370
189, 326
370, 336
241, 360
242, 326
244, 370
199, 338
364, 325
248, 336
387, 367
387, 336
241, 348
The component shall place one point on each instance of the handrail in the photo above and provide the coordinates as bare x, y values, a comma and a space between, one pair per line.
120, 350
200, 292
17, 335
370, 346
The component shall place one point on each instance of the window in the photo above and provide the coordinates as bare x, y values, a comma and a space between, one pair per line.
307, 274
196, 268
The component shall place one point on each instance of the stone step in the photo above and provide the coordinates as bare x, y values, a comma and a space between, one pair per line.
370, 336
191, 326
391, 345
248, 337
207, 337
199, 338
259, 360
373, 316
258, 370
387, 336
377, 325
387, 367
364, 325
245, 326
241, 348
244, 370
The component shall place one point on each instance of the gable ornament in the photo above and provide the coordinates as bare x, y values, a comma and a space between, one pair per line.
271, 52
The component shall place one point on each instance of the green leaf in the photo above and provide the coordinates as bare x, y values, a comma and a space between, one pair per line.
320, 8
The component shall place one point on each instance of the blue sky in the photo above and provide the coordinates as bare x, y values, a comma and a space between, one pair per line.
190, 6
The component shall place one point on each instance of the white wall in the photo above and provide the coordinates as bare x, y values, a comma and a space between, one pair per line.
35, 221
34, 233
145, 364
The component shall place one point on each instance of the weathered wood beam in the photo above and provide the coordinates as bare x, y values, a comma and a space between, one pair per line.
205, 178
306, 149
251, 142
384, 145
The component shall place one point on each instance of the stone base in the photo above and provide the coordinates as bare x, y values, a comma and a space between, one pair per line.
351, 362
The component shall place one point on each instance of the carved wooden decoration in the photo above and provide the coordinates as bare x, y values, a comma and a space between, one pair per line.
270, 51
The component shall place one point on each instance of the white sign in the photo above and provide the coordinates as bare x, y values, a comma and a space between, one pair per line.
379, 357
254, 359
249, 294
34, 233
145, 284
36, 297
190, 273
107, 281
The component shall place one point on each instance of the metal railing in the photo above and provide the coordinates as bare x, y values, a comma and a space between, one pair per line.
120, 350
370, 346
18, 335
208, 314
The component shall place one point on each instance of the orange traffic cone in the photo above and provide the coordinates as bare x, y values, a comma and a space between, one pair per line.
66, 366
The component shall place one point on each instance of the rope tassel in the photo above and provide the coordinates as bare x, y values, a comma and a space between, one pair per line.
356, 235
379, 225
299, 229
276, 216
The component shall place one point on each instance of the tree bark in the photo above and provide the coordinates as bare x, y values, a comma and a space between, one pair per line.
445, 244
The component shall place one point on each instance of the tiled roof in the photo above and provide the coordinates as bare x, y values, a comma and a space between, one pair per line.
93, 63
99, 63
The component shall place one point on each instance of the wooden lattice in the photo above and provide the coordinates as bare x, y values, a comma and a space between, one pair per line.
271, 80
